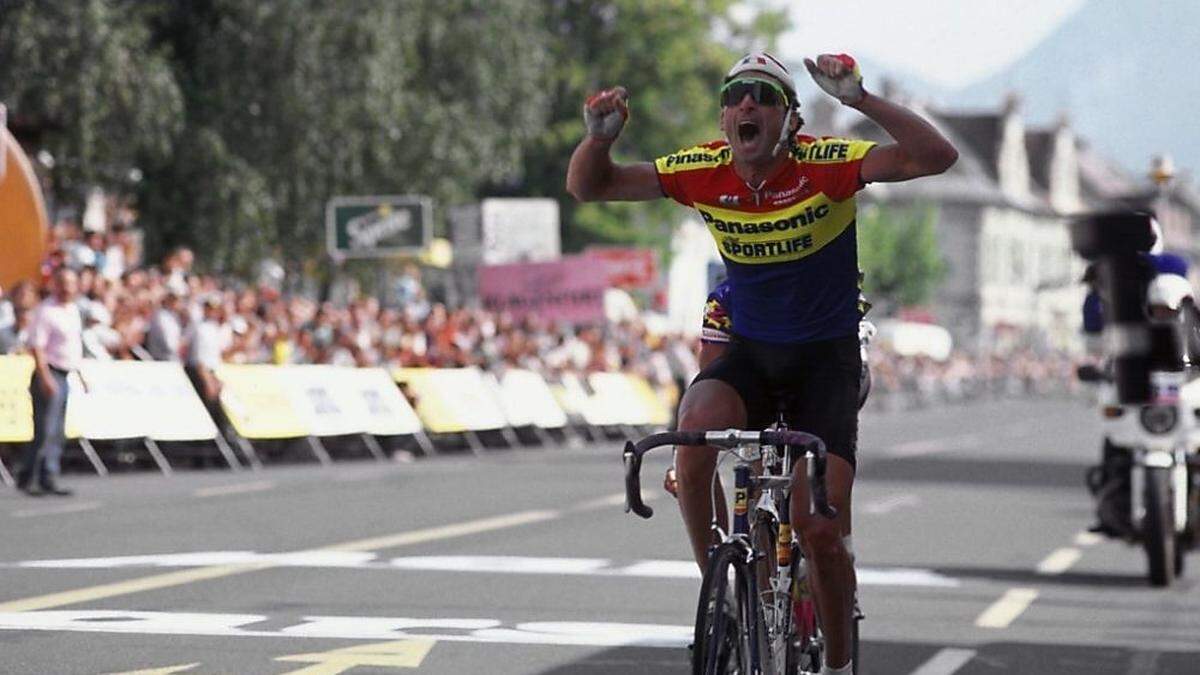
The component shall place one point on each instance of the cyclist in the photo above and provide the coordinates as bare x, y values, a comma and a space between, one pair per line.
781, 208
716, 329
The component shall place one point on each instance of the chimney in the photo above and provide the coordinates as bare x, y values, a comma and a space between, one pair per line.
1162, 169
1012, 103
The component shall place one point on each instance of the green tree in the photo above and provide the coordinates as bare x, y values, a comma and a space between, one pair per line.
898, 253
85, 74
671, 56
314, 99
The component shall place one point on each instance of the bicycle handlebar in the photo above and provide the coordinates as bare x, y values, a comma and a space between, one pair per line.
728, 438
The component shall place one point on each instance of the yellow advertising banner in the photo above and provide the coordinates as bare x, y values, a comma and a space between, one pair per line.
451, 400
257, 402
16, 408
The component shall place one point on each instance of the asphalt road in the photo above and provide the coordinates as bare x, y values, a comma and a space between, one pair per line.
968, 533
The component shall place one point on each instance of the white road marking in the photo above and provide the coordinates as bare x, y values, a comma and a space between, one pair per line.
445, 531
76, 507
505, 564
183, 577
236, 488
168, 670
931, 446
617, 499
889, 504
394, 654
647, 569
901, 576
1005, 610
945, 662
1059, 561
1088, 539
354, 628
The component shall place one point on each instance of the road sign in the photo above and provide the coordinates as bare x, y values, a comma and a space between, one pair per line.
516, 230
378, 227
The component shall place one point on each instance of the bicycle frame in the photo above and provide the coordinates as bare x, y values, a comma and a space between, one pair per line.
770, 632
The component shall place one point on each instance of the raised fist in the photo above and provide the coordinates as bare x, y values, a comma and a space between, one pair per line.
838, 75
605, 113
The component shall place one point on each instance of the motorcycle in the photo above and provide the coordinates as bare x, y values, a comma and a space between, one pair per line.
1147, 486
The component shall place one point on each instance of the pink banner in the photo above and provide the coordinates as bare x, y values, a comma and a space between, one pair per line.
627, 267
569, 289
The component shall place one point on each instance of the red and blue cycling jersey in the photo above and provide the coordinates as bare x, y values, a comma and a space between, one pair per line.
790, 249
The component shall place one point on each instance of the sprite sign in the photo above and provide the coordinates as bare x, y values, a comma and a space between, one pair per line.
378, 227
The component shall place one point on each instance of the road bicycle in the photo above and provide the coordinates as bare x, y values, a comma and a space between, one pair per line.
756, 614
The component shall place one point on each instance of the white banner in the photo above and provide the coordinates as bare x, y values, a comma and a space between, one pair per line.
320, 396
527, 400
136, 399
628, 399
339, 401
578, 396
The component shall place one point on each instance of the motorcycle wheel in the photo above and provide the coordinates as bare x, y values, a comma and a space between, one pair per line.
1158, 527
1180, 551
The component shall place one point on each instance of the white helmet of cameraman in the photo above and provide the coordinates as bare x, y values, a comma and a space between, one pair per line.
1168, 291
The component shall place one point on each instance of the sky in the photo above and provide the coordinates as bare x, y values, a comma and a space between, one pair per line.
950, 43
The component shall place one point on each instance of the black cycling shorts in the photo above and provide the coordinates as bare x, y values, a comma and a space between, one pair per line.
819, 382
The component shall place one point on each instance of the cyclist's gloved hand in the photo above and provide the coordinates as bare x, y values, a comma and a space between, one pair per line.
605, 113
838, 75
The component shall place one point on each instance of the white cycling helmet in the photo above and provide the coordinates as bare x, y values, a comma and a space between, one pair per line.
1168, 290
765, 63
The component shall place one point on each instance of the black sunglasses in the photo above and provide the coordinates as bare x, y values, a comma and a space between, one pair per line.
762, 92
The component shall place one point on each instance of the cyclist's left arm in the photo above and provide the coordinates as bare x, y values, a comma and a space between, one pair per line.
919, 150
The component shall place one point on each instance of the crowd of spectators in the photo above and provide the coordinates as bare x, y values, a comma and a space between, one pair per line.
136, 311
903, 382
169, 311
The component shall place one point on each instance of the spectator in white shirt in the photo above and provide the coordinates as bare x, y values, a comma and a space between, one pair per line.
55, 339
164, 340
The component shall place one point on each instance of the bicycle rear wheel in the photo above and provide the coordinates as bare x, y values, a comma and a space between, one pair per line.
726, 617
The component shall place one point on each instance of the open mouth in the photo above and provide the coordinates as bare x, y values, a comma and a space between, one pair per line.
747, 131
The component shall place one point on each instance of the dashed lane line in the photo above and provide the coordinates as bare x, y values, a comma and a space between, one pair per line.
1005, 610
236, 488
167, 670
77, 507
945, 662
931, 446
886, 505
1059, 561
1088, 539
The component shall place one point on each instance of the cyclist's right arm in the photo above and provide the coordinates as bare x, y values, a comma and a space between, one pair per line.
592, 175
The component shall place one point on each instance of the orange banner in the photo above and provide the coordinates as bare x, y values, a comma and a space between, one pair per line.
22, 214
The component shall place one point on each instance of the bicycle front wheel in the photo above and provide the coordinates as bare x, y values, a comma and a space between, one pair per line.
726, 617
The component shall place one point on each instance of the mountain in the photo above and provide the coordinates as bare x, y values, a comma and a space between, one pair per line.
1122, 73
